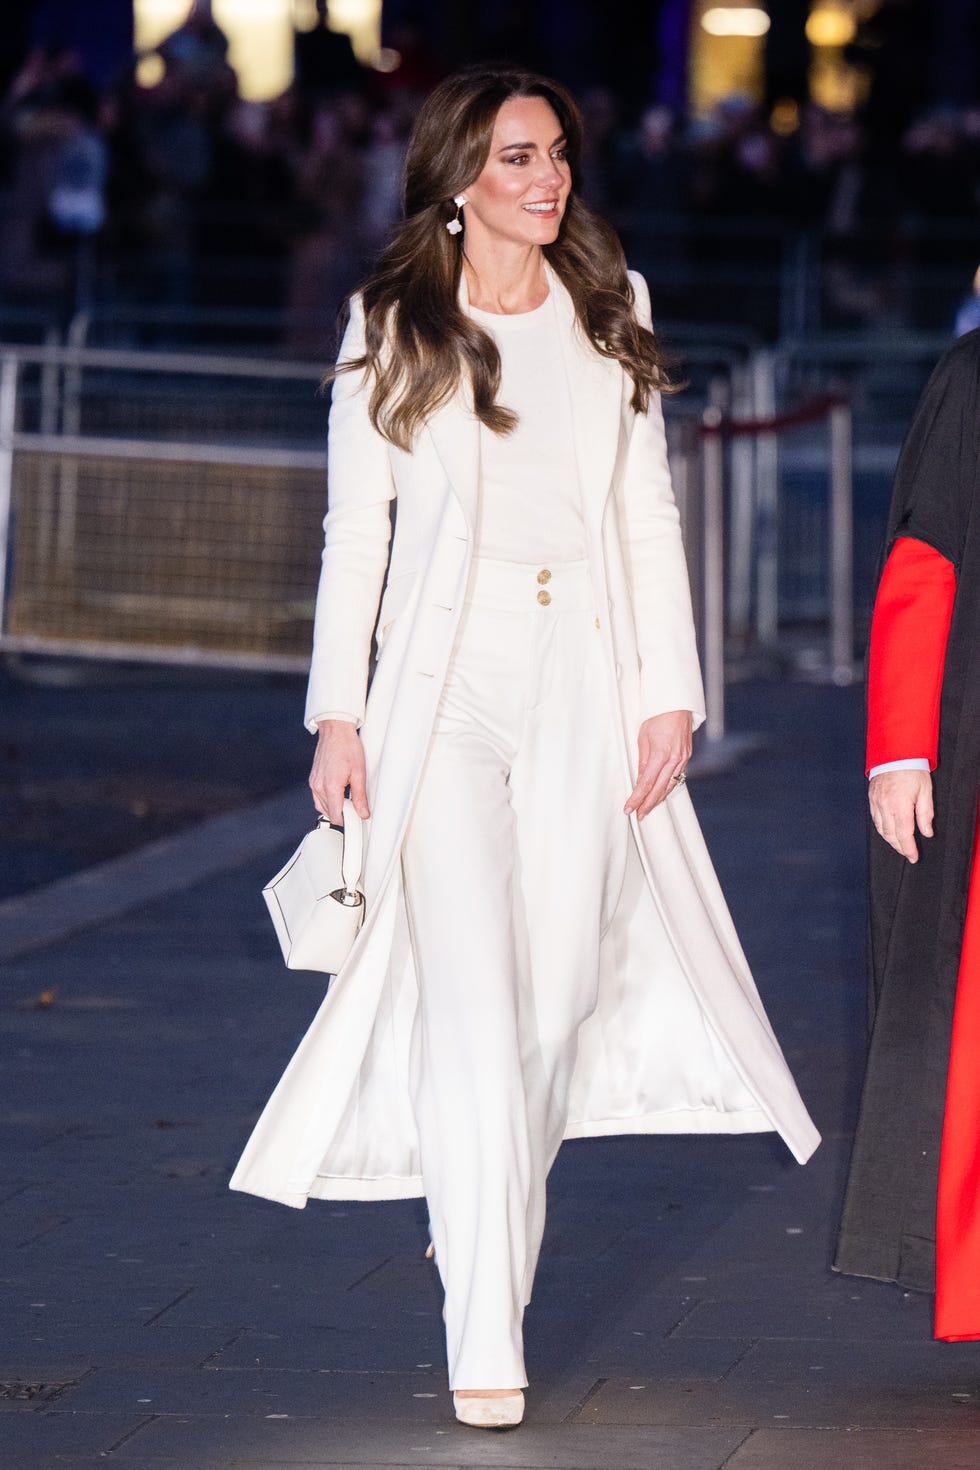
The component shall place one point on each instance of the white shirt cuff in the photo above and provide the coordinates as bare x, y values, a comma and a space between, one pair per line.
914, 763
335, 714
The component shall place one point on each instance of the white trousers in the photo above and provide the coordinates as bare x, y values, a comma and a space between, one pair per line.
513, 863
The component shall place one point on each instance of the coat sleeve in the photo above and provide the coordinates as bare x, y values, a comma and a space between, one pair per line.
670, 675
909, 630
357, 529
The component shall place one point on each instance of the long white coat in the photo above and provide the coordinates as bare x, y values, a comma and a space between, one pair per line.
679, 1041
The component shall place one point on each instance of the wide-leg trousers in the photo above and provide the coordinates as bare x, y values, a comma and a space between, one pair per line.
513, 862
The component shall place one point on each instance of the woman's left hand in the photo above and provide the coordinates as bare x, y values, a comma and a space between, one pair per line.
664, 750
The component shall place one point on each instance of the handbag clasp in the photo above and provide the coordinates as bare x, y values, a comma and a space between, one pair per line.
349, 897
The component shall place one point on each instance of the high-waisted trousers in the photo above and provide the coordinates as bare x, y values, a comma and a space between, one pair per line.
513, 861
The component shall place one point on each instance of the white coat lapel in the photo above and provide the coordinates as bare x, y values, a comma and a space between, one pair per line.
595, 386
455, 432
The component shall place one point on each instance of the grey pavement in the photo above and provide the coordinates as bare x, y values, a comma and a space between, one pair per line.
99, 759
685, 1315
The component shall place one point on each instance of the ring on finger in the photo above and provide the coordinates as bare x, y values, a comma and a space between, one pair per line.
679, 778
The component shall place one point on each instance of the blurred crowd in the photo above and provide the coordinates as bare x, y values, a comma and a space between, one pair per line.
168, 188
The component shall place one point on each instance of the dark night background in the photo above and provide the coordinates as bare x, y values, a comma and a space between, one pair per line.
189, 199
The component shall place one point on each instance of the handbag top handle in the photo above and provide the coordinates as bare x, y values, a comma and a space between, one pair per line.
350, 866
353, 847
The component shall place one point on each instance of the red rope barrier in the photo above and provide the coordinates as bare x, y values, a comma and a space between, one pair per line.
810, 412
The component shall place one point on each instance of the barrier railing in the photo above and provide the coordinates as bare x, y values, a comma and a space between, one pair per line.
719, 525
167, 506
160, 507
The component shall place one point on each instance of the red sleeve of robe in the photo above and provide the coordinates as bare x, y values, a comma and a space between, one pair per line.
909, 630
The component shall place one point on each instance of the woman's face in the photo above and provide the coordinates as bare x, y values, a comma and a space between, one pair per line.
521, 194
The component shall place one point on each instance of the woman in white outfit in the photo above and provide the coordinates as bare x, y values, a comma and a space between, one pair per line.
535, 965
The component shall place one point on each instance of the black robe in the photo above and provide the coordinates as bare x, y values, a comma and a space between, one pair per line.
917, 912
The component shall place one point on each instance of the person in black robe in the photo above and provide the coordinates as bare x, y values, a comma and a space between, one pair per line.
920, 889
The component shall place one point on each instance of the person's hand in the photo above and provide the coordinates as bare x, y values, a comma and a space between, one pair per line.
900, 801
338, 763
664, 745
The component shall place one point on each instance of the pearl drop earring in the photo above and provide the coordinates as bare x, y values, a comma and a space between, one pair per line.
455, 225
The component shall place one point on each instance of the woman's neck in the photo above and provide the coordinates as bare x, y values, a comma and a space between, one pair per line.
505, 281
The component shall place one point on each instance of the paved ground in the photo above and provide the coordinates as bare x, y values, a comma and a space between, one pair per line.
685, 1317
98, 759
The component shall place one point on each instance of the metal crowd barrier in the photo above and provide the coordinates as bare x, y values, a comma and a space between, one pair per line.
159, 507
787, 515
731, 512
838, 665
168, 507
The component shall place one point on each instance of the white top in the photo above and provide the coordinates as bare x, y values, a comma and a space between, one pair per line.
530, 505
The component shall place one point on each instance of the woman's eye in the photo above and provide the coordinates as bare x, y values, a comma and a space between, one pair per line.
518, 158
561, 154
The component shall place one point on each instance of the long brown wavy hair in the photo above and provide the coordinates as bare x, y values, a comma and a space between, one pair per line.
418, 343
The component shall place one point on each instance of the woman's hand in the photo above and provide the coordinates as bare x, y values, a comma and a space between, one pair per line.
338, 763
664, 745
900, 801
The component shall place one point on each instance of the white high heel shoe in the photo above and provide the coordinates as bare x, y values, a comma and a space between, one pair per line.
503, 1412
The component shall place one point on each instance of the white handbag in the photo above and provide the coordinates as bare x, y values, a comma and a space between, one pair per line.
315, 902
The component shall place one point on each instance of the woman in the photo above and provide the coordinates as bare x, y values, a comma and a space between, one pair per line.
535, 964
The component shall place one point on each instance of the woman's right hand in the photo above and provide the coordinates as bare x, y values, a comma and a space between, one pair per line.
338, 763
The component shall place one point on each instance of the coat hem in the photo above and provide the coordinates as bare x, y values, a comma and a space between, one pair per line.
687, 1120
869, 1260
336, 1187
410, 1186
